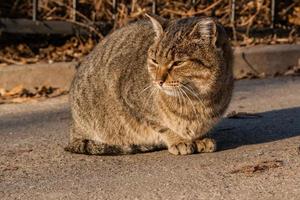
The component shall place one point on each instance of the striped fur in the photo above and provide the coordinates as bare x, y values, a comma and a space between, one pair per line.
92, 147
152, 84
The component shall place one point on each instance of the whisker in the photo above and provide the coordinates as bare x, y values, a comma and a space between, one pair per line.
154, 90
194, 109
178, 99
193, 93
146, 88
181, 101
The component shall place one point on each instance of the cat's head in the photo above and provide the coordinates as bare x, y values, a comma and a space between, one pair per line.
186, 56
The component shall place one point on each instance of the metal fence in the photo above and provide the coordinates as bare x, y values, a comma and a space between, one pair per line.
154, 3
59, 27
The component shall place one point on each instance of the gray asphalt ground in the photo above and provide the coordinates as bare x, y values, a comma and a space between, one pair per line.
258, 156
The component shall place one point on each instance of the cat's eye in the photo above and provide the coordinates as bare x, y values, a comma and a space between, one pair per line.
177, 63
154, 61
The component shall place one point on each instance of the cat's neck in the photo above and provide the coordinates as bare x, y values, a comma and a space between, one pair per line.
182, 104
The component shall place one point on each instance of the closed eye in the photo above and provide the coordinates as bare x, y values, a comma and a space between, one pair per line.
200, 62
153, 61
177, 63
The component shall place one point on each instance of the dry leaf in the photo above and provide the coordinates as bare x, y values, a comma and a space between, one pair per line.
19, 94
259, 167
2, 91
16, 90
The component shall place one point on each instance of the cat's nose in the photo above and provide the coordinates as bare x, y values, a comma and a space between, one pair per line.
159, 82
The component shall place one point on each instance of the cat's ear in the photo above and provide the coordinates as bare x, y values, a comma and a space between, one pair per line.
157, 26
206, 29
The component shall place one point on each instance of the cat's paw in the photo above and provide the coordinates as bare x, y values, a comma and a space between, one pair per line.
206, 145
182, 148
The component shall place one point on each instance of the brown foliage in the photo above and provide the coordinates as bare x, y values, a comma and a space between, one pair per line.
249, 15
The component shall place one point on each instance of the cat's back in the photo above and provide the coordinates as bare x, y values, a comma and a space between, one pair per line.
119, 54
116, 67
124, 45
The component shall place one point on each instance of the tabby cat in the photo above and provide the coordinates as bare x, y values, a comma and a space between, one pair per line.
150, 85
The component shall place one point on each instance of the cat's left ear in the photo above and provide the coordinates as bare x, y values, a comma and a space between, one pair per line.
156, 26
205, 29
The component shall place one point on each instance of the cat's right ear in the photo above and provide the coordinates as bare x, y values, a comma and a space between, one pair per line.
158, 29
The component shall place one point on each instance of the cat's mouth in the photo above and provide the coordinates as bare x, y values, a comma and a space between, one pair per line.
178, 89
170, 88
171, 91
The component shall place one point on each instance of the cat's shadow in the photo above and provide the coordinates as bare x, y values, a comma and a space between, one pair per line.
265, 127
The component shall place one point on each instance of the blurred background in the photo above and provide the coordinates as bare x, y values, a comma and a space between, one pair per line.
65, 30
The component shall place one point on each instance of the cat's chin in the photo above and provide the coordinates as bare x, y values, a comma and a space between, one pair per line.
169, 92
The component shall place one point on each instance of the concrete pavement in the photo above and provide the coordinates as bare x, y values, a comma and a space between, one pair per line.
258, 155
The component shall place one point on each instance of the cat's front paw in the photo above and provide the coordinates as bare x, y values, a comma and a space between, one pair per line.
206, 145
182, 148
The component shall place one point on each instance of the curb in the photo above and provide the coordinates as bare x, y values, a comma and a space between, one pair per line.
58, 75
259, 61
265, 60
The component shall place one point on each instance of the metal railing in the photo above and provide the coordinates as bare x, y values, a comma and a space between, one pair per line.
154, 4
51, 26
